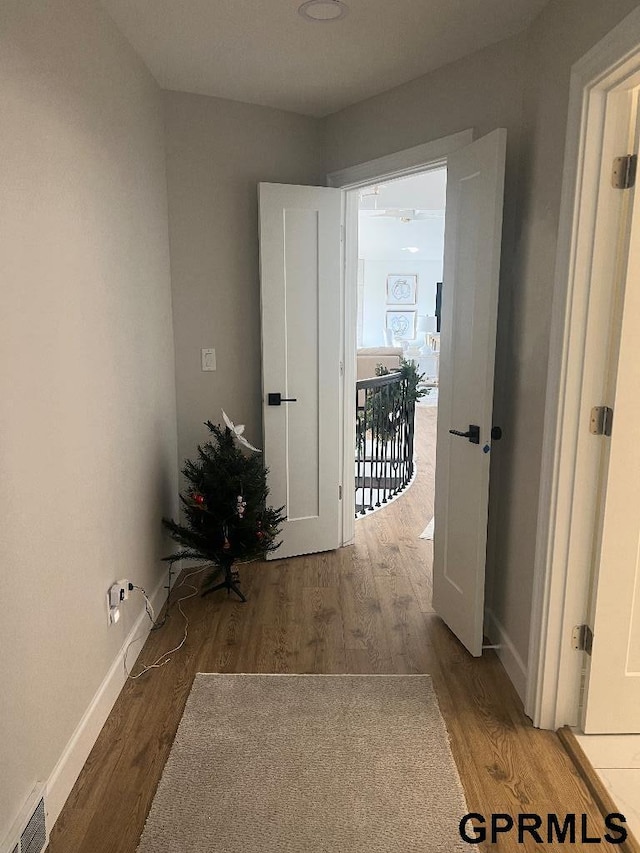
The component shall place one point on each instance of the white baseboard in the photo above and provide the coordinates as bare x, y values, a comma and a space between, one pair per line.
507, 653
76, 752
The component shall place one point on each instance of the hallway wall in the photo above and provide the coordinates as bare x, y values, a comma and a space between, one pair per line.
87, 421
217, 153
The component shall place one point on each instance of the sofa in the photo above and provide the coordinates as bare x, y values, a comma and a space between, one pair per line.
368, 358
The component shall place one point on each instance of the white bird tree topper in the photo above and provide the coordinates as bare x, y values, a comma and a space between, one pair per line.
237, 432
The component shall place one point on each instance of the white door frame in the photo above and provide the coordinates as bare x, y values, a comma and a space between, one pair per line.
564, 544
421, 158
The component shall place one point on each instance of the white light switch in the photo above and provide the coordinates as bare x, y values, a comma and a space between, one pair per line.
208, 359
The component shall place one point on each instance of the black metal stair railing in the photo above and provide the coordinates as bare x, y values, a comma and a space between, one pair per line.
385, 415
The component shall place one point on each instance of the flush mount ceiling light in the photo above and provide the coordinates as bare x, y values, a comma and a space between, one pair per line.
323, 11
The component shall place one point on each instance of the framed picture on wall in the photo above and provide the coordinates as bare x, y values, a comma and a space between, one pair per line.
402, 324
402, 289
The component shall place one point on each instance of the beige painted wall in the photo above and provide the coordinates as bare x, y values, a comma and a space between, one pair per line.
562, 34
217, 152
521, 84
87, 422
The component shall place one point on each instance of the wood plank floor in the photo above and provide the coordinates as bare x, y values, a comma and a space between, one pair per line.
363, 609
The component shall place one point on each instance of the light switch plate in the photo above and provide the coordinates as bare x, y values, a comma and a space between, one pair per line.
208, 359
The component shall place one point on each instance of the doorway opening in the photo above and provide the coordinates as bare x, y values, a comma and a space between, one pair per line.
400, 239
465, 432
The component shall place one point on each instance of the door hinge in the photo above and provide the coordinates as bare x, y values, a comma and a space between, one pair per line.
623, 176
339, 493
582, 639
342, 368
342, 233
601, 420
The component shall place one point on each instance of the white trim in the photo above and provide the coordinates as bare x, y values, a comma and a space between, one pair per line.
560, 585
429, 155
77, 750
350, 303
507, 653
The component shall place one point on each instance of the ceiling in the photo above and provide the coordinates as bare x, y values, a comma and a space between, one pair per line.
425, 190
404, 214
264, 52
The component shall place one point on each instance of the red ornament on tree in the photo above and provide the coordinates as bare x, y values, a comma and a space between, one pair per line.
198, 498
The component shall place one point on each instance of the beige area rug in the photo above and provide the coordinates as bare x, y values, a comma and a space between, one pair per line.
308, 764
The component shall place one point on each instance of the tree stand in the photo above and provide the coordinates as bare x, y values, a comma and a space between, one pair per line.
230, 581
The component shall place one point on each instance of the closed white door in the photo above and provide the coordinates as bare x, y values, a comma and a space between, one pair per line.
300, 285
611, 701
473, 237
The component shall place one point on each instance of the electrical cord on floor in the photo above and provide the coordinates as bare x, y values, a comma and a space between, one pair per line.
163, 659
147, 606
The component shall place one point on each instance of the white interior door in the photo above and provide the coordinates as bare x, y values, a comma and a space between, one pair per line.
473, 237
300, 286
611, 701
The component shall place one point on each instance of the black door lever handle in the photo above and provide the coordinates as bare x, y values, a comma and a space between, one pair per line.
473, 433
276, 399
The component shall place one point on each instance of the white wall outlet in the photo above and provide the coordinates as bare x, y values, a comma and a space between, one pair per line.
118, 592
113, 612
208, 359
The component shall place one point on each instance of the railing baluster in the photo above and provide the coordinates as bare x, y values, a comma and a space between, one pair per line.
374, 445
363, 445
367, 468
393, 475
411, 428
367, 450
385, 447
385, 413
403, 409
358, 448
405, 451
376, 452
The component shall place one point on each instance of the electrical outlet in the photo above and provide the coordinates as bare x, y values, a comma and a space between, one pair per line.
113, 613
118, 592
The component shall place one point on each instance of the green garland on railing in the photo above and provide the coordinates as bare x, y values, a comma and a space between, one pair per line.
410, 374
382, 413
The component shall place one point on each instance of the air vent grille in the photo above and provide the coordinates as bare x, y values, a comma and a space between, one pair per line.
34, 837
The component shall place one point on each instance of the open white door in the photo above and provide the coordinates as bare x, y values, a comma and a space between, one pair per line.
473, 237
611, 702
300, 286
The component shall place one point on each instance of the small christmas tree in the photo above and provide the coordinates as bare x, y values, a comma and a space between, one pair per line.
227, 519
